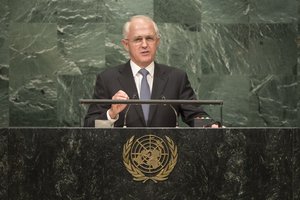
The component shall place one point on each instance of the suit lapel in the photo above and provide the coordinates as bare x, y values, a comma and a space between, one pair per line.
127, 81
159, 83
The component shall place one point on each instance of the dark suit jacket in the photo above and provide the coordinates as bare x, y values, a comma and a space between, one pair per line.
168, 82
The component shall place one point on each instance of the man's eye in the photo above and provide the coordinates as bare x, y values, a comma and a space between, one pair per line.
150, 39
138, 40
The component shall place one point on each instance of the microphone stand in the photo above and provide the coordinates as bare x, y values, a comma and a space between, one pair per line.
175, 112
125, 115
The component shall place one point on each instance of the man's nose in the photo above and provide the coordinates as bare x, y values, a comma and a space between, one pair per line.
144, 42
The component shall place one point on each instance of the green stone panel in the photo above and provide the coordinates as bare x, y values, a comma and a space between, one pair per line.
273, 11
84, 38
4, 119
178, 11
225, 49
121, 10
34, 64
4, 59
33, 50
78, 11
33, 11
4, 12
229, 11
115, 53
272, 49
4, 80
4, 21
180, 47
234, 91
274, 101
34, 103
70, 90
82, 46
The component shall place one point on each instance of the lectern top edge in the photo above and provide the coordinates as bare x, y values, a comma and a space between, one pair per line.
152, 101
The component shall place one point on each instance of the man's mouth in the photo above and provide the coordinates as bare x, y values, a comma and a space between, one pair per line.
145, 52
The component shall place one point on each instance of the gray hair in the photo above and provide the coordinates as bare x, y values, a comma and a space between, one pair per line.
144, 17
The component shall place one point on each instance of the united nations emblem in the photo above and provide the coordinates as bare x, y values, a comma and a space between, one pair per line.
150, 158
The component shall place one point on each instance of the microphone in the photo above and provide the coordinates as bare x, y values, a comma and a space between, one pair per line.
134, 96
175, 112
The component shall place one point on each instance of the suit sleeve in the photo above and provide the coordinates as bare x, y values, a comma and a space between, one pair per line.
96, 111
189, 112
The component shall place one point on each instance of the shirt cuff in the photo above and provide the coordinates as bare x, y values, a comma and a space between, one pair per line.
110, 120
107, 123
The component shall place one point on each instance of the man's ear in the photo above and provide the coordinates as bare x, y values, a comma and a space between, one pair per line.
125, 44
158, 42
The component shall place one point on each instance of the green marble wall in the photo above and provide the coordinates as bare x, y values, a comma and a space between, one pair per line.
242, 51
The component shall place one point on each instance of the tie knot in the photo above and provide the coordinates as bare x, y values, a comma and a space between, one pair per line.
144, 72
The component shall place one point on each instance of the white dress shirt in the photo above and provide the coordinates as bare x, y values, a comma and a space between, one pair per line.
138, 77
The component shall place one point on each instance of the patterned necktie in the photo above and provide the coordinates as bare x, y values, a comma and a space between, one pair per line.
145, 93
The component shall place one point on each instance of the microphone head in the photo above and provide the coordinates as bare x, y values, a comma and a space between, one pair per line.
134, 96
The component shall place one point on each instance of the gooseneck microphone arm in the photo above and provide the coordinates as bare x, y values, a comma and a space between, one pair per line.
175, 112
134, 96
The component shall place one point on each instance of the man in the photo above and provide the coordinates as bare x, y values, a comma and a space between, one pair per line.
128, 81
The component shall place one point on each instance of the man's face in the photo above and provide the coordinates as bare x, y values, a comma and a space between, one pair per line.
141, 42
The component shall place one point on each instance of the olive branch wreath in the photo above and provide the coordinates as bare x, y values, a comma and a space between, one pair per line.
138, 175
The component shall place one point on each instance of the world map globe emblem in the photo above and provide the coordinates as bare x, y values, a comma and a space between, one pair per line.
150, 154
150, 157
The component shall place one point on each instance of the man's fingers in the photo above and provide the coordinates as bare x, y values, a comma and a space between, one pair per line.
214, 126
120, 95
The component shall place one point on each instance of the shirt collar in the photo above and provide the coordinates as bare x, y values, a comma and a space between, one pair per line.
135, 68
